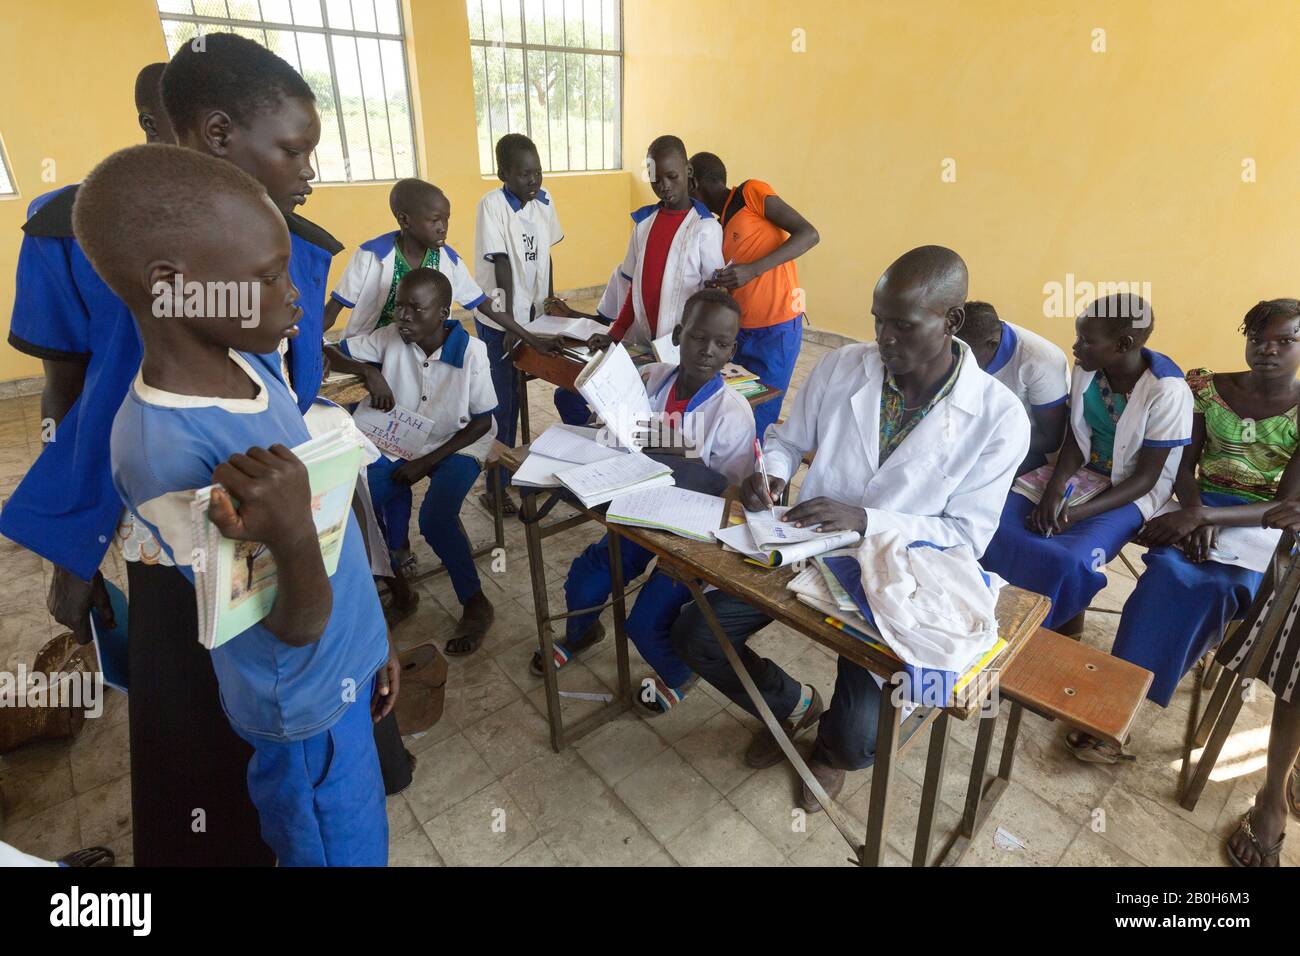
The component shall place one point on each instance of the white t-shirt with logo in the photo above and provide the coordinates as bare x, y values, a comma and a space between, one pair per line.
525, 233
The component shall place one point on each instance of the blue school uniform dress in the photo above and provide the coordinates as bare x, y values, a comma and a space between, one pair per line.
1111, 432
451, 387
720, 425
65, 509
1179, 609
314, 776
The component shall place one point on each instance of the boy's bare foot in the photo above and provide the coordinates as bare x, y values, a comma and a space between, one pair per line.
1257, 841
473, 627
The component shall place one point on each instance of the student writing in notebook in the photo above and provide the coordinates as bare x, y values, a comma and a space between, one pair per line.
909, 434
699, 416
1207, 553
209, 406
1033, 368
430, 365
676, 247
1130, 416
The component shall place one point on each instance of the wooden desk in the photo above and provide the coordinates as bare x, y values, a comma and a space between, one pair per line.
560, 371
344, 390
697, 564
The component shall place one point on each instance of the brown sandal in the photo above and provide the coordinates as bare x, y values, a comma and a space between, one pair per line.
1089, 749
1273, 853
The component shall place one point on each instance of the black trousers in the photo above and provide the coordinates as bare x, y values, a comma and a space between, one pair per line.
189, 787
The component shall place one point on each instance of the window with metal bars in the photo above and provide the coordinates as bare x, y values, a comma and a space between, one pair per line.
7, 187
352, 55
552, 70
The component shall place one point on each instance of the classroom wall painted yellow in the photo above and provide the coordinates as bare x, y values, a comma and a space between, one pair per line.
1122, 165
67, 75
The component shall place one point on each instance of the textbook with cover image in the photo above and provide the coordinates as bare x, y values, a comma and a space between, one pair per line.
235, 583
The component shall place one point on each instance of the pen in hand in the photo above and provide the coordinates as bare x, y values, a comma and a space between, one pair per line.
1065, 501
767, 483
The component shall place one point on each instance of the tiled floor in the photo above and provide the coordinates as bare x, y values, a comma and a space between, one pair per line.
666, 791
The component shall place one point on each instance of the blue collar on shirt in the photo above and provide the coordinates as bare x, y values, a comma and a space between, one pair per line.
1162, 366
1006, 349
645, 212
453, 348
381, 246
517, 204
706, 391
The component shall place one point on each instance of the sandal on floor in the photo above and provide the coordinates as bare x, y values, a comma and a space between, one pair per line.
569, 649
405, 562
488, 501
1265, 855
473, 627
1089, 749
665, 698
89, 856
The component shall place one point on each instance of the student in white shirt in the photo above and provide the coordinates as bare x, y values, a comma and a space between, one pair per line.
1032, 367
1130, 416
706, 419
515, 229
909, 434
676, 247
433, 367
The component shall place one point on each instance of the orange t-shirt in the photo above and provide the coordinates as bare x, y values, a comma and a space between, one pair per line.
748, 235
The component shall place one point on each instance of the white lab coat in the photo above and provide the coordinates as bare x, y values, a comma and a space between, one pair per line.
718, 421
611, 302
946, 483
693, 257
1158, 415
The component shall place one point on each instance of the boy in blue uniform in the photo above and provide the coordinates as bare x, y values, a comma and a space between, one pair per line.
208, 406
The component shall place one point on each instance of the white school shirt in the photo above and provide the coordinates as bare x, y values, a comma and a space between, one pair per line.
693, 257
449, 387
611, 302
1033, 368
524, 231
1158, 415
718, 422
369, 275
948, 480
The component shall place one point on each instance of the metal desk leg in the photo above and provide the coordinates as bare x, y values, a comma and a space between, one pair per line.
541, 608
981, 798
838, 816
882, 774
935, 764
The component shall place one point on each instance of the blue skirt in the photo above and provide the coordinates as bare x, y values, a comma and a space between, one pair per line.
1065, 567
1177, 612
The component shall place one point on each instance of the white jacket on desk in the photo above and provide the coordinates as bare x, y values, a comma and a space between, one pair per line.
948, 480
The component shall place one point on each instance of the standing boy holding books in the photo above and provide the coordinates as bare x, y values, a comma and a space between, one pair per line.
209, 406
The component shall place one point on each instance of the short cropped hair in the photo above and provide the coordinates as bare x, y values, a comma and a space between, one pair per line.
981, 323
148, 88
1262, 312
1124, 314
720, 297
709, 168
666, 145
510, 146
407, 194
426, 276
230, 73
148, 202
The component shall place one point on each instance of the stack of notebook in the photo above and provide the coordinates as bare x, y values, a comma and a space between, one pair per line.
742, 381
832, 584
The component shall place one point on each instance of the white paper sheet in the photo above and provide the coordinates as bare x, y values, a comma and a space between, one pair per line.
577, 328
613, 388
572, 443
666, 351
399, 432
689, 514
604, 480
770, 532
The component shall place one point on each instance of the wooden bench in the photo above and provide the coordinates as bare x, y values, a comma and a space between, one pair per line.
1058, 678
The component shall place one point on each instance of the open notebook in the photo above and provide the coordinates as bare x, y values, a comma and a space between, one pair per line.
613, 388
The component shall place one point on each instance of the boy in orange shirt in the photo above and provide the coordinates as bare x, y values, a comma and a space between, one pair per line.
762, 235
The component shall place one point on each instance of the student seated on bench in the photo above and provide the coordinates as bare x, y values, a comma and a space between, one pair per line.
910, 435
718, 425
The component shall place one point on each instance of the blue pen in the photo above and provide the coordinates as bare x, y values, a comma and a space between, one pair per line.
1065, 501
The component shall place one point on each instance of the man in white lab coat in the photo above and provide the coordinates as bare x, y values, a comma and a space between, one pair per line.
910, 434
